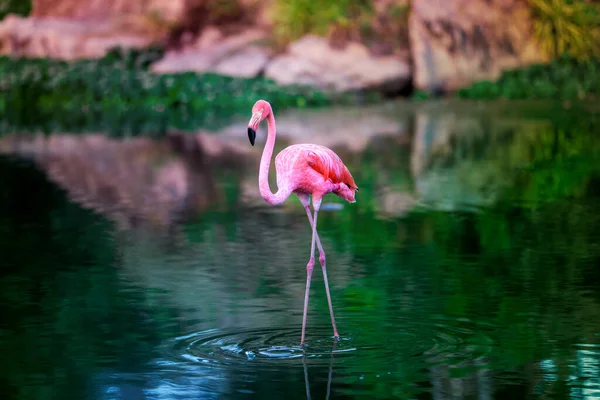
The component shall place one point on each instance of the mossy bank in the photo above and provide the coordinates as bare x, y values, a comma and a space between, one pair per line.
118, 94
565, 78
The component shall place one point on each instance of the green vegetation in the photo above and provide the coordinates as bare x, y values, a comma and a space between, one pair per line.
19, 7
295, 18
341, 21
564, 78
117, 93
569, 31
567, 27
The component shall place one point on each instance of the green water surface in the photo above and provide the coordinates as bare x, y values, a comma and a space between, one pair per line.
469, 267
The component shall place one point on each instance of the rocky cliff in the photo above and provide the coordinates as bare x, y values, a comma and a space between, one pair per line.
456, 42
439, 45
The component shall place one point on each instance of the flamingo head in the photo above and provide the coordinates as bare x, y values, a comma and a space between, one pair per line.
260, 111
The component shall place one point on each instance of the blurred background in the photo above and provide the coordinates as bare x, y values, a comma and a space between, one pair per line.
138, 260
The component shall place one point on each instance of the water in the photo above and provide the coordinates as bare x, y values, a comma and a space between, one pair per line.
151, 269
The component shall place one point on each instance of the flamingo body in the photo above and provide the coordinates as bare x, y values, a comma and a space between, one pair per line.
315, 170
307, 170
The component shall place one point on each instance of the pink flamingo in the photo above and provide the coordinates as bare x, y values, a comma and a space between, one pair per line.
302, 169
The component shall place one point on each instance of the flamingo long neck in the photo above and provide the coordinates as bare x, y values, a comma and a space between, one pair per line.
265, 162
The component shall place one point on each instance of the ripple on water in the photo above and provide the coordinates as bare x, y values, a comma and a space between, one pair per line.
458, 341
269, 345
443, 342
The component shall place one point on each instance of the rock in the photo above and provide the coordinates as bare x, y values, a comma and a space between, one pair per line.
70, 29
312, 61
260, 12
247, 63
171, 10
63, 38
235, 56
210, 36
457, 42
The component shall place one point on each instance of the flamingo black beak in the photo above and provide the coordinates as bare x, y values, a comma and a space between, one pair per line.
251, 135
253, 126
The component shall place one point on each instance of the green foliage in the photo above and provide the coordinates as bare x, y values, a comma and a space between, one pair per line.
19, 7
563, 78
132, 58
570, 32
421, 95
567, 27
117, 93
294, 18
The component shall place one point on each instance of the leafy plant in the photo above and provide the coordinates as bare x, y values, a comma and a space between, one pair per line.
421, 95
567, 26
294, 18
118, 94
564, 78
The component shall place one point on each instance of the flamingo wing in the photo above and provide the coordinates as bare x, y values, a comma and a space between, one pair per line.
329, 165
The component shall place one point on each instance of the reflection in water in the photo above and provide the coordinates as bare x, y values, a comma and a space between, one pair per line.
468, 267
137, 180
329, 376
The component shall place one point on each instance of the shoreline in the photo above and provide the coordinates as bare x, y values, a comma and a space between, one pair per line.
119, 93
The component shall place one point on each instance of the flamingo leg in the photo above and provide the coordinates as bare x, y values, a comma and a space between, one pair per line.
309, 271
304, 199
322, 260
